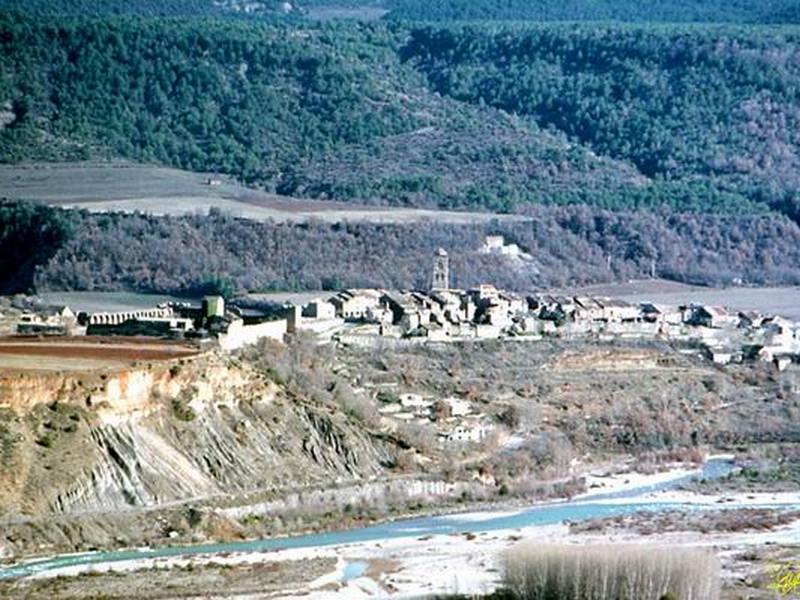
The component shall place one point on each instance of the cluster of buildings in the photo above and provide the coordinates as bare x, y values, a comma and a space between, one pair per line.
455, 420
210, 320
438, 314
48, 320
441, 314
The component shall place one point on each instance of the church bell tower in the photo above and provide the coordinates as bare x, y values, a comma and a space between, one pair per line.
441, 270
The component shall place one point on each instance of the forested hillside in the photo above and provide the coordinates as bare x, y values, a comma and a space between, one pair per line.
623, 117
697, 104
663, 11
202, 95
322, 110
152, 8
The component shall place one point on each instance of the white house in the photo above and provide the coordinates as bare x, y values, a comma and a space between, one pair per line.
414, 402
588, 309
656, 313
711, 316
618, 310
496, 244
320, 310
355, 304
458, 407
468, 433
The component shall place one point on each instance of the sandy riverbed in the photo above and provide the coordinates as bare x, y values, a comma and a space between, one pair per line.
468, 563
447, 564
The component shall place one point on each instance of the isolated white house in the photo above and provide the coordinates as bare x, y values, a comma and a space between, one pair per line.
458, 407
468, 433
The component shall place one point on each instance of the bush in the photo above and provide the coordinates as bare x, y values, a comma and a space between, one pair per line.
182, 410
356, 406
599, 572
385, 397
46, 441
421, 436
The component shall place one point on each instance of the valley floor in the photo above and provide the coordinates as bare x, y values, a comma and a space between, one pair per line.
225, 450
467, 562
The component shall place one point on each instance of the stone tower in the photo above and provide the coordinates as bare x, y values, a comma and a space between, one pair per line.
441, 270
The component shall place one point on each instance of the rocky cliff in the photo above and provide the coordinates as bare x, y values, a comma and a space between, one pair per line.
163, 433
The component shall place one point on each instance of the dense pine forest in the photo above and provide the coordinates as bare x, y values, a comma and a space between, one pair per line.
150, 8
694, 118
665, 11
319, 110
716, 105
669, 11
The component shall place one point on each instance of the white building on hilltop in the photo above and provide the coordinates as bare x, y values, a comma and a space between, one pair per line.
496, 244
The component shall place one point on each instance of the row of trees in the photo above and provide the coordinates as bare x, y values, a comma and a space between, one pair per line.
29, 237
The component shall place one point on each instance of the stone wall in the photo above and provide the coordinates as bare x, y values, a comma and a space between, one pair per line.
239, 334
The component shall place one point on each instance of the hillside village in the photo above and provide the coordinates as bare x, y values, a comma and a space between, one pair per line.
440, 314
380, 318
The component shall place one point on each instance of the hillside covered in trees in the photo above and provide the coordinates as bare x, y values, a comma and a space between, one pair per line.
664, 11
271, 104
717, 105
692, 118
77, 250
674, 143
150, 8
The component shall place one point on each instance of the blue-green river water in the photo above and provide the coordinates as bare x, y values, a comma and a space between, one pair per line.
588, 507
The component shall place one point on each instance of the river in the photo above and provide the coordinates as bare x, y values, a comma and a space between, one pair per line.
587, 507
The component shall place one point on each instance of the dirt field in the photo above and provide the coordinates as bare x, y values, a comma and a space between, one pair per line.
259, 580
642, 287
84, 353
128, 187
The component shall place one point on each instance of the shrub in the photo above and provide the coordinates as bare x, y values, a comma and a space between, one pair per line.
421, 436
385, 397
182, 410
599, 572
46, 441
356, 406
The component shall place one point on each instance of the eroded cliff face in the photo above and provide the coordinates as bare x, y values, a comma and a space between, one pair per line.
125, 390
163, 433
